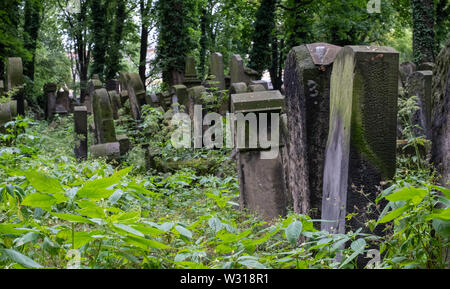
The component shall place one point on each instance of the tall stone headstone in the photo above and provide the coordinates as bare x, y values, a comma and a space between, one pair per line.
8, 111
361, 147
420, 85
134, 81
115, 103
441, 116
237, 72
190, 73
50, 94
261, 179
15, 81
94, 84
2, 87
307, 78
181, 94
62, 104
217, 69
81, 132
103, 117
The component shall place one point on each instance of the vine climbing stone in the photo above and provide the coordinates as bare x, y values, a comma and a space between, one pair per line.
361, 147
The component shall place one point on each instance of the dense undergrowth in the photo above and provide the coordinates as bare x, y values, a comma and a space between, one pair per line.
56, 212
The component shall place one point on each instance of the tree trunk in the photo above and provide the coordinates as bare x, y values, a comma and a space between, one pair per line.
145, 9
423, 30
31, 27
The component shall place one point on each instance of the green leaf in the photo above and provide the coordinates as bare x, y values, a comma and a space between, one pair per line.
393, 215
183, 231
72, 218
42, 182
440, 214
408, 193
252, 264
442, 227
128, 230
39, 200
21, 259
145, 243
293, 232
92, 212
98, 189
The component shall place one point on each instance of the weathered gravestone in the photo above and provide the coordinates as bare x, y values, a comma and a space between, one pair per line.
81, 132
103, 117
8, 111
125, 144
236, 88
261, 82
195, 97
113, 85
15, 82
50, 95
261, 176
361, 147
110, 151
190, 73
425, 66
256, 88
406, 69
115, 103
441, 116
180, 93
132, 88
94, 84
2, 87
237, 72
217, 69
62, 103
307, 79
420, 85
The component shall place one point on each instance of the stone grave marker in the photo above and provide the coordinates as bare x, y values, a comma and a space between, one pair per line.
420, 85
62, 104
2, 87
256, 88
125, 144
103, 117
441, 116
260, 82
361, 147
217, 69
307, 78
50, 95
190, 74
15, 81
180, 92
406, 69
8, 111
81, 132
110, 151
425, 66
237, 73
261, 179
115, 103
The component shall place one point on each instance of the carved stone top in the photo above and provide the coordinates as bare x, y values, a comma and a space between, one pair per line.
323, 53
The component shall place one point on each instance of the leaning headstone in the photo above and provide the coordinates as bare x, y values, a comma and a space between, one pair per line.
50, 95
81, 132
361, 147
134, 80
307, 77
261, 179
134, 103
217, 69
103, 117
420, 85
441, 116
190, 74
237, 72
15, 81
110, 151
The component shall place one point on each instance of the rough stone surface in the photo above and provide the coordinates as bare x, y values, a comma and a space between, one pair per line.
81, 132
426, 66
7, 112
420, 85
217, 69
256, 88
307, 108
361, 147
103, 117
125, 144
181, 93
237, 72
15, 81
441, 116
260, 82
190, 75
110, 151
115, 103
261, 181
2, 87
50, 95
406, 69
135, 82
62, 104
